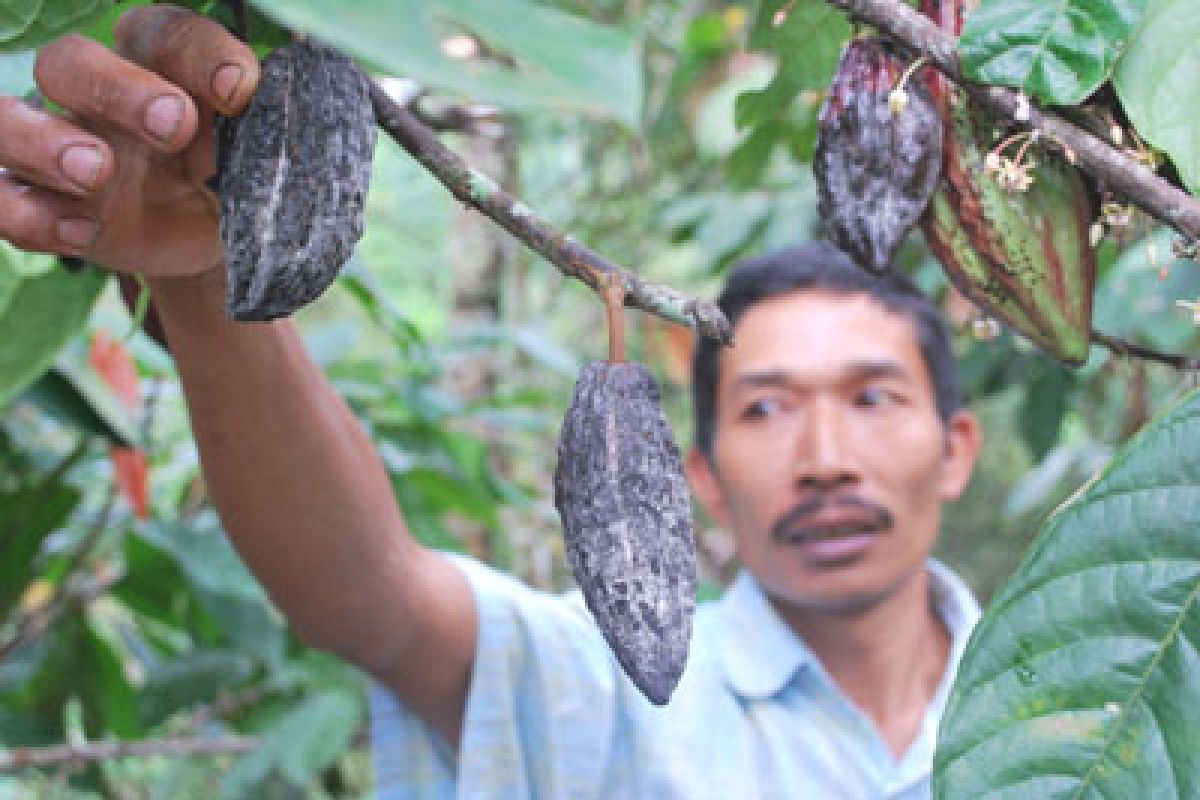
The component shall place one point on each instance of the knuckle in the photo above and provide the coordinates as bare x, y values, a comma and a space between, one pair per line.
106, 99
140, 32
178, 37
24, 228
55, 59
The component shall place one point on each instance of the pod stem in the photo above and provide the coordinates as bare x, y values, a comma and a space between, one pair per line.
614, 304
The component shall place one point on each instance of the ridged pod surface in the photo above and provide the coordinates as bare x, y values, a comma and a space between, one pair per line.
292, 174
875, 166
1022, 256
627, 521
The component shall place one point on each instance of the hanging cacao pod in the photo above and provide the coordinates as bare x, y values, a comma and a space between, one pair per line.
626, 513
1022, 256
292, 174
876, 162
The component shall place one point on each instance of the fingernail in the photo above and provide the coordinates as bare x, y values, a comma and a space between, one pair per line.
163, 116
226, 81
81, 163
77, 231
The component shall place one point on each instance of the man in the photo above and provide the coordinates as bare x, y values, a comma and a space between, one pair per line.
827, 440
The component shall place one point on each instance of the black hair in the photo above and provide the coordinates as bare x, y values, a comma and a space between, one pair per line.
821, 265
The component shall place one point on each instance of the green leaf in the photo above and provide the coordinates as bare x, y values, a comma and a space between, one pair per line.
28, 515
1058, 51
76, 395
10, 279
16, 16
223, 585
195, 677
1083, 676
104, 684
1044, 407
1132, 302
300, 744
44, 313
547, 58
807, 47
57, 17
1156, 81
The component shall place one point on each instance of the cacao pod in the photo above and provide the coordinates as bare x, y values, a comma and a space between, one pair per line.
292, 174
1022, 256
627, 521
876, 164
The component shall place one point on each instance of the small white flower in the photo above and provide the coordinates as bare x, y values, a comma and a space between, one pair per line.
897, 100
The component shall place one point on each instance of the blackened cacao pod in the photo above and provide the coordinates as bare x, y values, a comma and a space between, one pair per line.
292, 174
626, 514
875, 166
1022, 256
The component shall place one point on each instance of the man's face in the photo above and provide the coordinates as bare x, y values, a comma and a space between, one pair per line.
830, 462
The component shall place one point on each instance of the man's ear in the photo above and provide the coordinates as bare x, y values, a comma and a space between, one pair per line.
706, 487
964, 438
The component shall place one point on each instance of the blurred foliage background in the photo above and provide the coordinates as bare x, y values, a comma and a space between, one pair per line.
458, 351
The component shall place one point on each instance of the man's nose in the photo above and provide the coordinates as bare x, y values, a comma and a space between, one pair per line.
824, 459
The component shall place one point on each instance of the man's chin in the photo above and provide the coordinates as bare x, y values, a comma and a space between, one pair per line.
843, 603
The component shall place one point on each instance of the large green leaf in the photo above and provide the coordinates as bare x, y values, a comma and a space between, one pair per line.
57, 17
1157, 82
1059, 51
548, 59
16, 16
1083, 678
43, 314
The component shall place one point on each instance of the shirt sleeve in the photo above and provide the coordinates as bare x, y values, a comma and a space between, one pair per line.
543, 712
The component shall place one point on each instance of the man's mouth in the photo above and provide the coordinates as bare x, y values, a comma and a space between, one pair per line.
822, 519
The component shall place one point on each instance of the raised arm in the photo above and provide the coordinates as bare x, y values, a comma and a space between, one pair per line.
298, 485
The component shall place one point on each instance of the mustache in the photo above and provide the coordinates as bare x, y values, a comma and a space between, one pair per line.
792, 524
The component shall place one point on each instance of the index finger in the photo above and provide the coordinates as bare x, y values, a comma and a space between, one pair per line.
193, 52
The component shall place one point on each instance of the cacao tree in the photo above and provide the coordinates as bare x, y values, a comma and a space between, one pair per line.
699, 124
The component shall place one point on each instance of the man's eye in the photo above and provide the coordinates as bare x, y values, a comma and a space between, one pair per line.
760, 409
872, 397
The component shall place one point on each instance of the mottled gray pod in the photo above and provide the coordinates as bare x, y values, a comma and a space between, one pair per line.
292, 173
627, 520
875, 167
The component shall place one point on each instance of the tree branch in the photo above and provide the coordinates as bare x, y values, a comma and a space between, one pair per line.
77, 589
572, 258
60, 754
1120, 173
1122, 347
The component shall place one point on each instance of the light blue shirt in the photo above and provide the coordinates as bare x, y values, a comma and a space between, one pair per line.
551, 715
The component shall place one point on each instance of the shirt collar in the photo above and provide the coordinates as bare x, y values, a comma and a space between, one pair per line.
761, 654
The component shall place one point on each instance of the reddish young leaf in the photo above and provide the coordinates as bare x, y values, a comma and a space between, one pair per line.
132, 472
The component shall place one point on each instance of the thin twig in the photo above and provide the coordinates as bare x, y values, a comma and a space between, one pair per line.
76, 590
572, 258
1126, 348
1120, 173
63, 754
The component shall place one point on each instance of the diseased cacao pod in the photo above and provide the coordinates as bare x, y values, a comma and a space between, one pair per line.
875, 166
627, 520
292, 174
1022, 256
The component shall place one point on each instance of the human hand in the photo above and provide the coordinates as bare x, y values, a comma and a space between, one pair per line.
120, 177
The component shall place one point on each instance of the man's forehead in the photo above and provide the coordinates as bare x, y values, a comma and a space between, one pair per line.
820, 330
